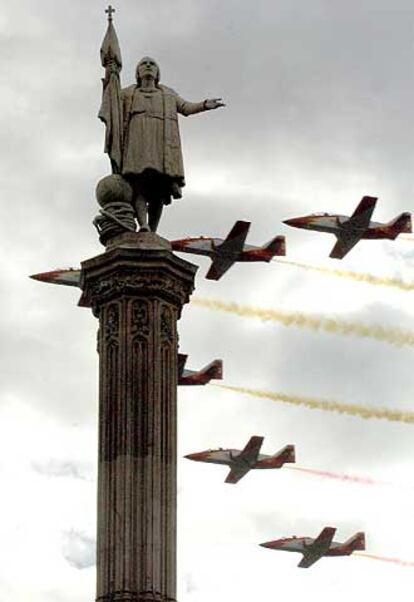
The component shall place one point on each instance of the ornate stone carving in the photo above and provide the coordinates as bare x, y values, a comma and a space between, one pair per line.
112, 324
140, 326
167, 327
133, 284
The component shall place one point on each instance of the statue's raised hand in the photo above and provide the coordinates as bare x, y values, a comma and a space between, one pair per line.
213, 103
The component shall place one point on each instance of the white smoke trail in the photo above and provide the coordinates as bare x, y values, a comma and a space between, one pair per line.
327, 405
358, 276
394, 336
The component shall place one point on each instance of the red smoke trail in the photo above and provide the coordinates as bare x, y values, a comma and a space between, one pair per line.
341, 477
351, 478
385, 559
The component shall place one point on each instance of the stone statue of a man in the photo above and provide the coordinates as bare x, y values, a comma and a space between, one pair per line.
142, 135
151, 159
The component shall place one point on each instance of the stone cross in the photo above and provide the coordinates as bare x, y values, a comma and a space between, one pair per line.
109, 11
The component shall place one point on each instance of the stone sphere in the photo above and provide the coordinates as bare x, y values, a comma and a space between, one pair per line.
113, 189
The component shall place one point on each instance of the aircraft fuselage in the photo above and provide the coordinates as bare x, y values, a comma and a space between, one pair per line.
209, 247
342, 224
230, 457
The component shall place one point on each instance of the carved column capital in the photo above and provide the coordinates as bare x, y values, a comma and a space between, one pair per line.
142, 266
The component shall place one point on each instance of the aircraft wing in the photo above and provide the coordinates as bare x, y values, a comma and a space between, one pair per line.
252, 449
344, 244
317, 548
309, 560
227, 253
236, 473
363, 213
245, 459
198, 246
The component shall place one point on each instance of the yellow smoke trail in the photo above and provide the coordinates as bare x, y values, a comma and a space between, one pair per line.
327, 405
385, 559
394, 336
358, 276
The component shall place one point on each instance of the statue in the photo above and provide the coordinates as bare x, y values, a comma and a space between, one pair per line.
142, 141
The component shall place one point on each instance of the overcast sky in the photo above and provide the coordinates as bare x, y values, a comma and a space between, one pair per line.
320, 111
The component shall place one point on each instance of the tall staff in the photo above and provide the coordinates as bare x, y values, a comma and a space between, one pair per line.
111, 108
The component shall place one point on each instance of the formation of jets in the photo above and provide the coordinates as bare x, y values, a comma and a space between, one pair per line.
223, 254
242, 461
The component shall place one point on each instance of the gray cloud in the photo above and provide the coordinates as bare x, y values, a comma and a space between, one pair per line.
319, 112
62, 468
78, 549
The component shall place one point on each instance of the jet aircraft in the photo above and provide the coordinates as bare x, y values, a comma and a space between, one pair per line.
350, 230
240, 462
224, 253
314, 549
214, 370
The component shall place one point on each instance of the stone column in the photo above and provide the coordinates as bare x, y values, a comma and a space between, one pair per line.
137, 289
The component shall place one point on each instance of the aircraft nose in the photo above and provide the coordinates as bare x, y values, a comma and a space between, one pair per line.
266, 544
296, 222
195, 456
272, 544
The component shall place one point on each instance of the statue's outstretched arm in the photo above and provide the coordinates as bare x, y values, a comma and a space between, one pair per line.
184, 107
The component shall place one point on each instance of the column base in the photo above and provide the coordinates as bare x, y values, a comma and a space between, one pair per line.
135, 597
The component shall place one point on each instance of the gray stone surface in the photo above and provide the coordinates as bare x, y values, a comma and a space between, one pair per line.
137, 292
140, 240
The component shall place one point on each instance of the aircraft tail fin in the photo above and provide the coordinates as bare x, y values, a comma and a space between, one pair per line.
181, 361
356, 542
214, 370
276, 246
401, 224
287, 453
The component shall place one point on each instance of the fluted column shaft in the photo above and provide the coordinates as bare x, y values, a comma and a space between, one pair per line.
137, 293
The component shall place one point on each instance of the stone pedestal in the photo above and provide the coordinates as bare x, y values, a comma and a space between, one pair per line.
137, 289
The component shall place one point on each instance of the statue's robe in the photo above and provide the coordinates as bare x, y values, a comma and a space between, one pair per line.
151, 138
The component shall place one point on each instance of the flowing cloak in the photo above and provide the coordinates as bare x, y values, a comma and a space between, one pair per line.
151, 138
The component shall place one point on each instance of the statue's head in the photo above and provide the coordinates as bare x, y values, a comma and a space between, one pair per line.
147, 67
